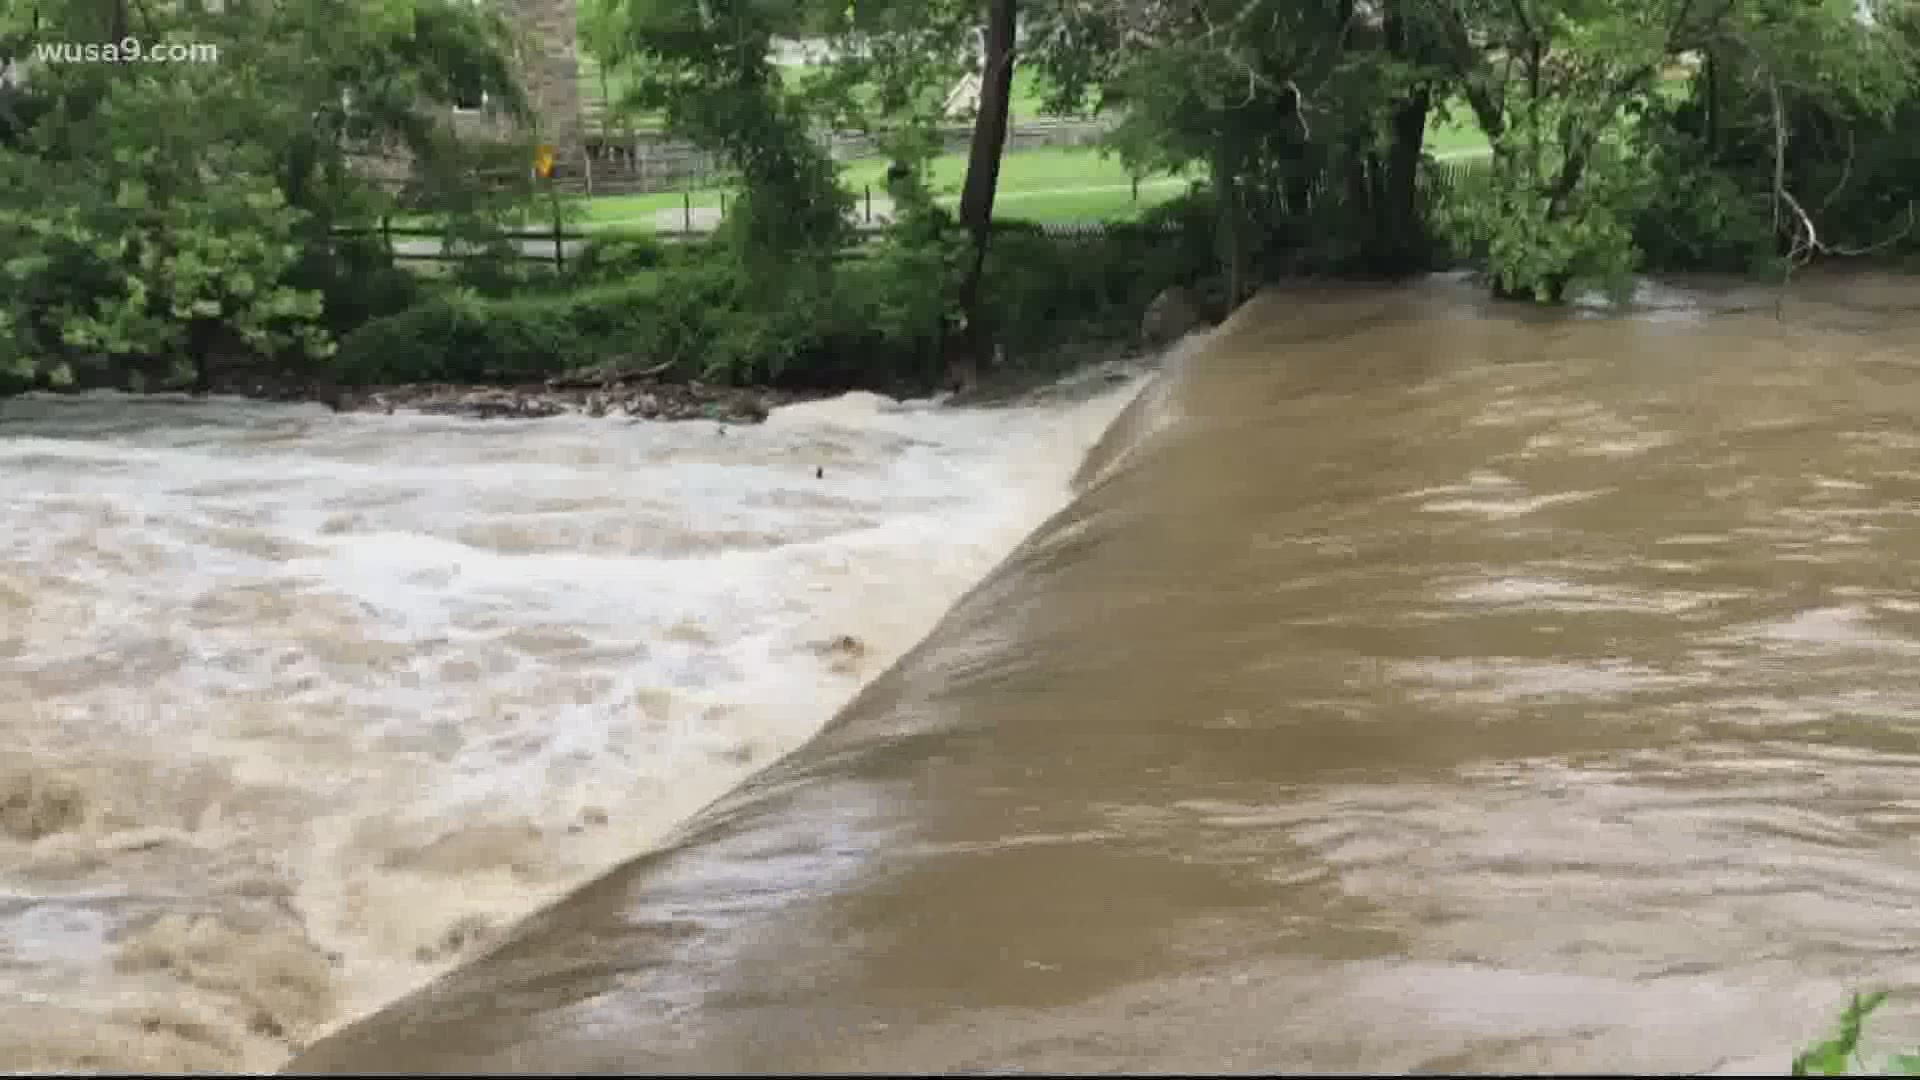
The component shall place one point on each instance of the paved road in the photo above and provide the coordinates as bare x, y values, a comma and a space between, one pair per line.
427, 247
705, 219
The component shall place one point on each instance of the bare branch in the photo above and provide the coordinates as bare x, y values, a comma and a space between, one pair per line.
1780, 151
1846, 172
1806, 242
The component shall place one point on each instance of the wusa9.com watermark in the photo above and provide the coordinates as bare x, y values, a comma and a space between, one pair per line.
128, 50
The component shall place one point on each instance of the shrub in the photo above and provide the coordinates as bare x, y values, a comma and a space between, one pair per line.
460, 337
1041, 290
1839, 1054
611, 257
1696, 217
356, 281
875, 319
1030, 283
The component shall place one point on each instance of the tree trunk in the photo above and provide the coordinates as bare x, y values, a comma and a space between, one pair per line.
1712, 92
1406, 240
1554, 291
1406, 243
1229, 223
983, 180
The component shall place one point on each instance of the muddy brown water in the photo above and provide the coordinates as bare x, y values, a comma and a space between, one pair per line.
1412, 685
298, 710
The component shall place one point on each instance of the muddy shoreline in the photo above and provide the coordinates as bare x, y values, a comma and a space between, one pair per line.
605, 390
617, 391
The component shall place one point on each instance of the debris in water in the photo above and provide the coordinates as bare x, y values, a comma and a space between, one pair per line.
843, 652
466, 931
592, 817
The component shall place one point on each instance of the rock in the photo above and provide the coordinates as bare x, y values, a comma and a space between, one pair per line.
640, 398
1173, 315
466, 931
33, 806
843, 653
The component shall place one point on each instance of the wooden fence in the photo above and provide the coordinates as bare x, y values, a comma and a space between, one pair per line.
634, 162
556, 243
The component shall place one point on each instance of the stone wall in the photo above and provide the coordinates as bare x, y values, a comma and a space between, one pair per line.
551, 68
547, 44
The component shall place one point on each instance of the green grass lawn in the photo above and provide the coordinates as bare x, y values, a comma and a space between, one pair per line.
1052, 184
1454, 134
1457, 134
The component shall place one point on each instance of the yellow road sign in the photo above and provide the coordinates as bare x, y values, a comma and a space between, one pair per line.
543, 162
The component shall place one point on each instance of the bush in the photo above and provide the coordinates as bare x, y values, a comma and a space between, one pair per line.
1695, 217
357, 282
1030, 283
1041, 290
612, 257
876, 319
497, 270
459, 337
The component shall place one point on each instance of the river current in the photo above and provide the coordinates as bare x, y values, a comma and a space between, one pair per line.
1396, 681
1415, 683
297, 709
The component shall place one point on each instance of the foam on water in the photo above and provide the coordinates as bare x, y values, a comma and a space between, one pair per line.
297, 709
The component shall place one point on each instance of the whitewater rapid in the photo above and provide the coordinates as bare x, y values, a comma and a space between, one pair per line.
297, 709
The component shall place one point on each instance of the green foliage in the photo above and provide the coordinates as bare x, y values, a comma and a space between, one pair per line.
707, 65
153, 214
615, 256
1694, 216
149, 258
461, 337
1041, 290
355, 280
695, 318
895, 61
156, 212
1540, 246
1848, 99
1839, 1054
874, 320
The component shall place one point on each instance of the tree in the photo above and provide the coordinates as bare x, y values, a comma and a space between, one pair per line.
707, 65
983, 178
1269, 98
1561, 89
154, 213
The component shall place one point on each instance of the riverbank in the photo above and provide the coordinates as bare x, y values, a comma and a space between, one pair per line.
619, 391
638, 390
601, 392
638, 395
